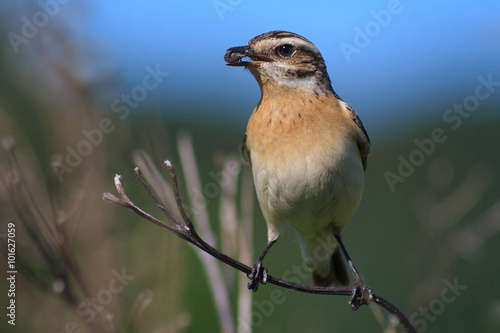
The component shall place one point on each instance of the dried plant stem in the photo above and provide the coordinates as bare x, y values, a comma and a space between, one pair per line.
245, 249
214, 272
186, 231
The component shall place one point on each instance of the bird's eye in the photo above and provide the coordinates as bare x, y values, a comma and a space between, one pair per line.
286, 50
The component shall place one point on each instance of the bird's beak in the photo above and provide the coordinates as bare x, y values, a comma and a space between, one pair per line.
235, 56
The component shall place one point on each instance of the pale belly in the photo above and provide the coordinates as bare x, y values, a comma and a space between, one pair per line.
312, 192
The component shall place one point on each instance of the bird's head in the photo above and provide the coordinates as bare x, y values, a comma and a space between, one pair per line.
282, 59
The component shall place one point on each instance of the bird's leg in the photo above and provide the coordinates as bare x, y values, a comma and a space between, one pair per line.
361, 294
258, 274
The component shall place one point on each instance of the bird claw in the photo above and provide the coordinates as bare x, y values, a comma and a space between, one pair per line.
361, 294
257, 275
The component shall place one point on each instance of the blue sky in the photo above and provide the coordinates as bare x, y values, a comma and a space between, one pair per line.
426, 53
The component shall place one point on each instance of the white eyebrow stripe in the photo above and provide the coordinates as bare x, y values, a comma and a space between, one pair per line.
298, 42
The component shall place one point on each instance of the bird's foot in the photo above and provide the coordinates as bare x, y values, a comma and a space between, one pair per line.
257, 275
361, 294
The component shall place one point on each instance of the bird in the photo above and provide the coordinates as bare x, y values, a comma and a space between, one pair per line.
308, 152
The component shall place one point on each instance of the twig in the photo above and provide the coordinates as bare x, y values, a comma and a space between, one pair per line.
187, 232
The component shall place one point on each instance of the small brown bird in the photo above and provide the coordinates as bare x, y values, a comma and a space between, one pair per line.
308, 151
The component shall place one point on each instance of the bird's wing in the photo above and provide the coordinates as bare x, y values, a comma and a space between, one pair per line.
363, 139
245, 151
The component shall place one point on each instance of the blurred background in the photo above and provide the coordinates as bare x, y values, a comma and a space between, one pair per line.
92, 89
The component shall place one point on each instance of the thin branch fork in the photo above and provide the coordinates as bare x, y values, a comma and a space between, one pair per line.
186, 231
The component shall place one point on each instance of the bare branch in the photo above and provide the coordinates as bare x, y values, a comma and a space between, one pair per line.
187, 231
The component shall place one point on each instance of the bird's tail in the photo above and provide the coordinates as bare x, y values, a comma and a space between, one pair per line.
337, 273
323, 256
